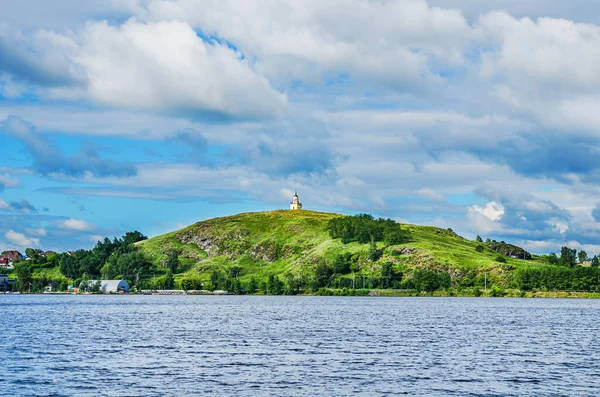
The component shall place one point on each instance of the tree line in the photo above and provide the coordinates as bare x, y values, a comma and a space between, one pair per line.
364, 228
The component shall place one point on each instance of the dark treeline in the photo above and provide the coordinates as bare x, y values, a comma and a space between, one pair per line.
117, 258
364, 228
324, 276
108, 259
558, 278
570, 258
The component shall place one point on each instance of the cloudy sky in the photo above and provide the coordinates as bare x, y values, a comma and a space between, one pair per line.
153, 114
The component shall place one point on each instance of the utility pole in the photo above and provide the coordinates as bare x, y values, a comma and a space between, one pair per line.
485, 281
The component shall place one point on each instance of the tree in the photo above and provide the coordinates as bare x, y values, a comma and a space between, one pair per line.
131, 238
429, 280
294, 283
323, 273
342, 262
24, 275
393, 235
552, 259
568, 257
387, 275
582, 256
252, 285
169, 280
479, 248
172, 261
234, 271
274, 285
217, 279
33, 253
373, 251
479, 239
595, 261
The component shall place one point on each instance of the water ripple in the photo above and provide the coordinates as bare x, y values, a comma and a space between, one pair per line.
301, 346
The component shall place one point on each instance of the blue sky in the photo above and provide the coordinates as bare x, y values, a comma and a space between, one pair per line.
154, 114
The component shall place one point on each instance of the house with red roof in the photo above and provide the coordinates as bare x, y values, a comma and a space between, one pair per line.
8, 258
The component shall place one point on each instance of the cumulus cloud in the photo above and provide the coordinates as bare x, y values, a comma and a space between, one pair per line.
158, 66
76, 224
492, 210
165, 66
314, 40
21, 240
544, 67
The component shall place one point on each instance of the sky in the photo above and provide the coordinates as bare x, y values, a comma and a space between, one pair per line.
151, 115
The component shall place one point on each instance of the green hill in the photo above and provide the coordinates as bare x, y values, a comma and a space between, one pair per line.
281, 243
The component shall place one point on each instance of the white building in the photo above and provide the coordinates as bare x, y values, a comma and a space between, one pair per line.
110, 286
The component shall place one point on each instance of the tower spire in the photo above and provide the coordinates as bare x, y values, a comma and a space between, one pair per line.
295, 204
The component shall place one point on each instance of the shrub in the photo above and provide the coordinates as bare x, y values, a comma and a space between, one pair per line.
500, 259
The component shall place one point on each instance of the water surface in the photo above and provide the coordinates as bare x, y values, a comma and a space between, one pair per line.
293, 346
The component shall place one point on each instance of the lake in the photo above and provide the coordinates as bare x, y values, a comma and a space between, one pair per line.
297, 346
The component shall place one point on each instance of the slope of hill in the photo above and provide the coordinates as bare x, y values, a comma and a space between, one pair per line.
294, 242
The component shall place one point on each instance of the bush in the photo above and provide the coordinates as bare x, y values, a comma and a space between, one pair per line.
479, 248
500, 259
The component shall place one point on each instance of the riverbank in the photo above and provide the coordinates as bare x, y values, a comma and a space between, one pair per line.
469, 293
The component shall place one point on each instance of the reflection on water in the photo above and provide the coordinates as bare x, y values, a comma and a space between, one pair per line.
290, 346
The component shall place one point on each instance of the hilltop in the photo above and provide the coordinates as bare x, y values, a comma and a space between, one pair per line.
276, 243
303, 251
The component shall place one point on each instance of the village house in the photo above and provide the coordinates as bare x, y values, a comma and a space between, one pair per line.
8, 258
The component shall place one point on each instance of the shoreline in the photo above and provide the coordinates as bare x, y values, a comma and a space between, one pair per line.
370, 293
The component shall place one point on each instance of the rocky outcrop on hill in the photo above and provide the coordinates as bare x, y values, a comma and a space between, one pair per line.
509, 250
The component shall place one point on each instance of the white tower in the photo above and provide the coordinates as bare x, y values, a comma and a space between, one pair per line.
295, 204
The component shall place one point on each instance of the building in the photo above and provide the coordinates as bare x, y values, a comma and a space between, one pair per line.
8, 258
3, 263
295, 204
109, 286
6, 284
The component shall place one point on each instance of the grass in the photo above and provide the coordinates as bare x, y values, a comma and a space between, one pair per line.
277, 242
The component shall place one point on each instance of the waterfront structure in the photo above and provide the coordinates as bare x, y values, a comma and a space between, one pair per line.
295, 204
6, 284
109, 286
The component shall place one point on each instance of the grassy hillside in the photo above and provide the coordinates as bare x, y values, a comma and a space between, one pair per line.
280, 242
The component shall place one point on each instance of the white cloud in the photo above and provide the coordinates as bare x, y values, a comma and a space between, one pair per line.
40, 232
8, 181
21, 240
76, 224
545, 67
492, 210
96, 237
307, 40
559, 226
165, 66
